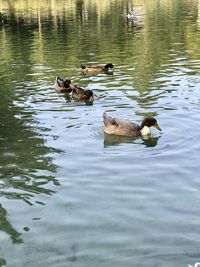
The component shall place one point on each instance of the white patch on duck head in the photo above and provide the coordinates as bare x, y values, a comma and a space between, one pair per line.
145, 131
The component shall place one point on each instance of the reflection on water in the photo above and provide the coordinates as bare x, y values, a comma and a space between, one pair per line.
2, 262
150, 141
26, 167
65, 197
6, 227
113, 140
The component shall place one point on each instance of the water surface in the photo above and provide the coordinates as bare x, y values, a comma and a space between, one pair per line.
71, 195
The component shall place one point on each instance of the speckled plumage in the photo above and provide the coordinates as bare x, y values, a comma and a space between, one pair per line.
79, 93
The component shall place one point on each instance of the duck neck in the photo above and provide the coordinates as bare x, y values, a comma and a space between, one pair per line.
145, 130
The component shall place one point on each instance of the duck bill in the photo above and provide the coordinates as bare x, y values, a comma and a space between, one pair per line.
157, 127
72, 85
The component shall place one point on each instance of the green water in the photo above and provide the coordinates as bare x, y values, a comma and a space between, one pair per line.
70, 195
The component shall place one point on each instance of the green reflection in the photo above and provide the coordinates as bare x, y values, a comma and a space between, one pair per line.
103, 31
2, 262
41, 33
25, 165
6, 227
26, 169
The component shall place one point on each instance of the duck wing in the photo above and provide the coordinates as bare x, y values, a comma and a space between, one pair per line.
118, 126
78, 93
78, 90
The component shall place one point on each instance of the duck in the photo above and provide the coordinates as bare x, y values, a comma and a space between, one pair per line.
131, 14
79, 93
92, 69
121, 127
63, 86
135, 16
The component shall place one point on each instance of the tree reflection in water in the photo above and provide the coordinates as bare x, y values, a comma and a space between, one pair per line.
2, 262
6, 227
26, 167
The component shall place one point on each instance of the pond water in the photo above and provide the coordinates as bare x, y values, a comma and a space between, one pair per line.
70, 195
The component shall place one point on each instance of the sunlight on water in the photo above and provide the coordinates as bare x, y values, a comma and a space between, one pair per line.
71, 194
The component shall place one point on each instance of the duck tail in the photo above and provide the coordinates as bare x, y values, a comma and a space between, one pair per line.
104, 116
59, 80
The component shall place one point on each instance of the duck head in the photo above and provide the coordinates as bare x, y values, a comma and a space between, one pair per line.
109, 66
147, 124
68, 84
89, 95
83, 67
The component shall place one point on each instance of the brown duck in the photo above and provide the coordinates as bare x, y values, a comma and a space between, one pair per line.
92, 69
123, 127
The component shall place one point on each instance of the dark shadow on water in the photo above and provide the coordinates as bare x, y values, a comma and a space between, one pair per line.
6, 227
2, 263
27, 168
113, 140
150, 141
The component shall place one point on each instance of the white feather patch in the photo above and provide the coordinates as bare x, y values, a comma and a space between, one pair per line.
145, 130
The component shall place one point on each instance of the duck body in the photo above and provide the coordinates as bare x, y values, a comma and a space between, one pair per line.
63, 86
81, 94
92, 69
121, 127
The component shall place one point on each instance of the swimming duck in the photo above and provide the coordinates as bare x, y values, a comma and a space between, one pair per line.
79, 93
63, 86
131, 14
122, 127
92, 69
